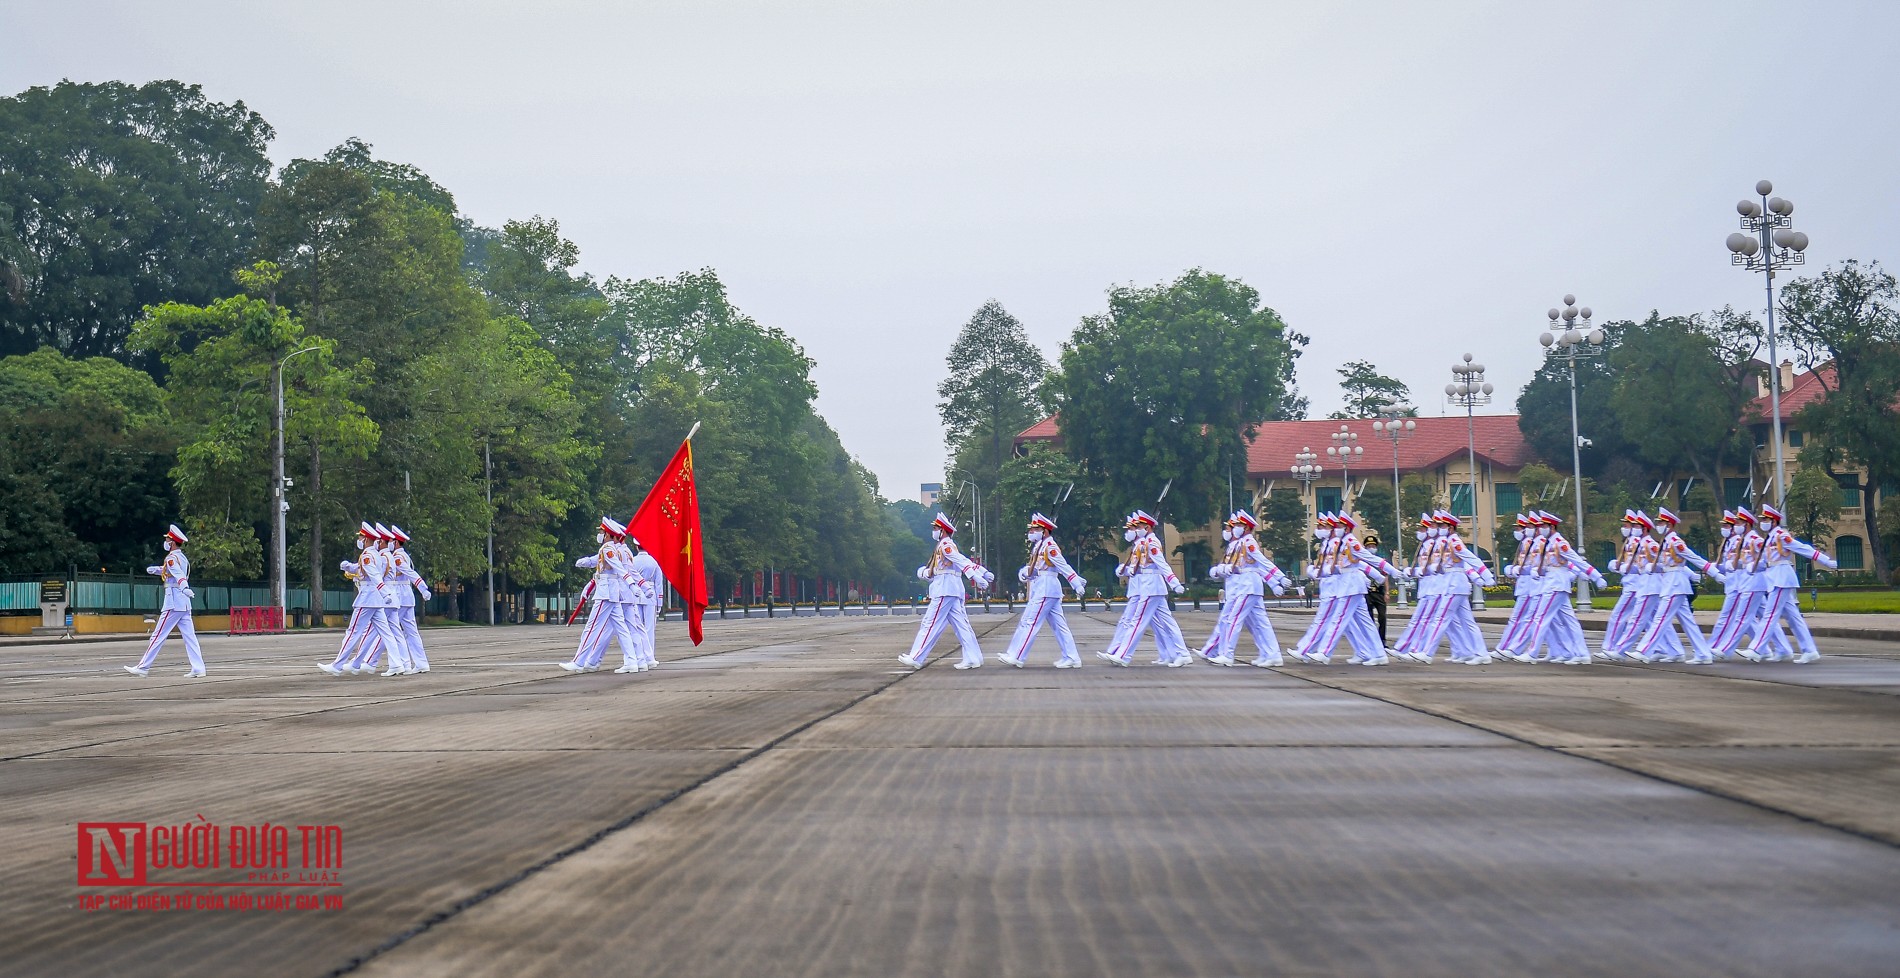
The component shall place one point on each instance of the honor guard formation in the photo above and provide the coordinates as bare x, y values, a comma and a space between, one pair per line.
1657, 567
1650, 622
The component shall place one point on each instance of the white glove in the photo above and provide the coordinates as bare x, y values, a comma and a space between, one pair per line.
1310, 572
154, 569
1022, 574
189, 593
427, 595
1121, 570
1077, 585
923, 573
1217, 572
345, 565
1599, 581
1278, 588
1826, 561
1177, 588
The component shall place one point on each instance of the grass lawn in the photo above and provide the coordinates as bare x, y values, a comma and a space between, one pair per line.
1841, 602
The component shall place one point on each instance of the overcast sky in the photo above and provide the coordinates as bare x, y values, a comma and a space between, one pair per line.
1403, 182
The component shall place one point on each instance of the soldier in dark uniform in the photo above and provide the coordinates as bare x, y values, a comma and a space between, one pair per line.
1375, 595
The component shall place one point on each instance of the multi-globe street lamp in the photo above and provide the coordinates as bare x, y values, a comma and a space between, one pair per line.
1575, 340
1307, 469
1394, 426
1769, 244
1470, 390
1344, 447
279, 584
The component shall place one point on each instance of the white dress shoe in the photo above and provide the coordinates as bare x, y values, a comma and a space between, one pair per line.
136, 671
329, 669
1807, 657
571, 667
194, 674
1068, 663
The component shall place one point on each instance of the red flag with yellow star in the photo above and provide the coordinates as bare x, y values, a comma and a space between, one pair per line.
667, 526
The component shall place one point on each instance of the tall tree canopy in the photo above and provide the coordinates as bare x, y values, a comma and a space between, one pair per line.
114, 197
1170, 383
989, 394
1683, 385
1850, 315
1367, 390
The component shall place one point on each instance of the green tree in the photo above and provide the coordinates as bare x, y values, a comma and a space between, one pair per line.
118, 197
1813, 503
1374, 504
1283, 528
988, 395
1171, 383
1543, 408
1849, 316
95, 435
219, 359
1682, 384
1367, 390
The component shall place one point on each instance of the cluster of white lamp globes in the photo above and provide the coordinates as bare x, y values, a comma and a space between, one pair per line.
1470, 382
1576, 328
1304, 467
1772, 216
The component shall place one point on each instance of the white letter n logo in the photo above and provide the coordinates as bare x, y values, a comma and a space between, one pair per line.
111, 853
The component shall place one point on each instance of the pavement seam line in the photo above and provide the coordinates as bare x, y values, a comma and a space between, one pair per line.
496, 889
1572, 752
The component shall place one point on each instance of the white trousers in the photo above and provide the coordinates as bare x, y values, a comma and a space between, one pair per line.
610, 621
1521, 626
1141, 613
1673, 609
168, 620
946, 612
1554, 622
1341, 616
1041, 611
1422, 634
1740, 620
643, 634
1782, 605
371, 629
1624, 632
1247, 611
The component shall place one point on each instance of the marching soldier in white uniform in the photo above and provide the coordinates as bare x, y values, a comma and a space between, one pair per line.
1776, 565
1675, 588
175, 612
646, 604
371, 618
1045, 574
1149, 578
403, 571
945, 572
1245, 574
402, 664
616, 586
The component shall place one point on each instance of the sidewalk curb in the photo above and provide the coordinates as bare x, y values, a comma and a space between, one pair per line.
1872, 633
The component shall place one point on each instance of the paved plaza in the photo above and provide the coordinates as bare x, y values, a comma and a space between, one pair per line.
787, 800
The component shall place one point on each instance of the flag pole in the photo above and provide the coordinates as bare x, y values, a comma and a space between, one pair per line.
690, 434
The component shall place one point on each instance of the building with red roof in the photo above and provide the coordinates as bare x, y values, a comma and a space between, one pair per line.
1437, 448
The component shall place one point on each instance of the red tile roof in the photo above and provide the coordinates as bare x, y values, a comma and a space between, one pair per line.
1433, 443
1806, 389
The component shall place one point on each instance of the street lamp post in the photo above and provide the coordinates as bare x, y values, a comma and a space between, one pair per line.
1575, 340
1771, 243
1395, 427
279, 504
1470, 390
1306, 468
1344, 447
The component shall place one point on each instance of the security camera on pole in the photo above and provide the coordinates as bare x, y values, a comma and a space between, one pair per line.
1575, 340
1771, 244
1470, 391
1394, 426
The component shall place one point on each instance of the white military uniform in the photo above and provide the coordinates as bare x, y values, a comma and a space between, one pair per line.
1749, 591
1245, 574
402, 617
1149, 578
1675, 588
175, 611
613, 619
1045, 574
409, 581
1346, 572
945, 571
1555, 567
372, 617
1643, 579
647, 605
1776, 567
